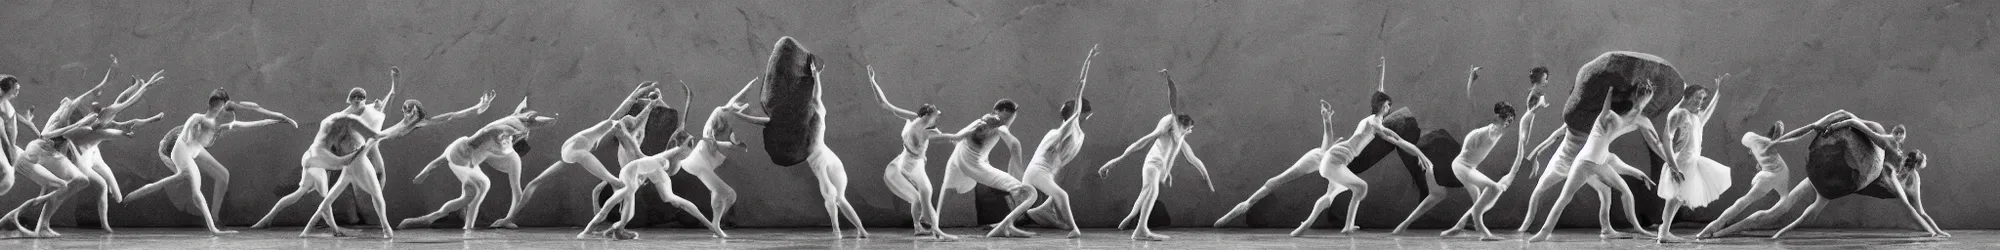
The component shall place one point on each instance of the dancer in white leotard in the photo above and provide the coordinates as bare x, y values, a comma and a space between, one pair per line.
1773, 175
492, 145
189, 157
905, 174
1169, 142
625, 127
1595, 160
1557, 170
1057, 148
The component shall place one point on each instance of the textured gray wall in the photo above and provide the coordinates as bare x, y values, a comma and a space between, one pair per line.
1251, 71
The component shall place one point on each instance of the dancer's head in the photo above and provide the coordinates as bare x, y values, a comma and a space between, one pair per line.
1899, 133
1071, 107
356, 96
218, 101
1379, 103
414, 108
1185, 122
1505, 113
1696, 97
928, 115
1640, 96
9, 87
1536, 78
1003, 113
1914, 160
1757, 143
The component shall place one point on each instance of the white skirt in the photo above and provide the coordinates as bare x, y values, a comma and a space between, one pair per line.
1704, 181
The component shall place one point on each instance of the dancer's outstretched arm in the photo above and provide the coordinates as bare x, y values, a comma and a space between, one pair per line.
961, 135
899, 112
484, 102
260, 110
131, 94
1714, 96
1137, 145
1395, 139
1546, 142
394, 72
81, 126
752, 119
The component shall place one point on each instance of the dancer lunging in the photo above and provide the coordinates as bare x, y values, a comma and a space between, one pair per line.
905, 174
1057, 148
1169, 142
576, 151
188, 155
1595, 160
494, 145
1773, 175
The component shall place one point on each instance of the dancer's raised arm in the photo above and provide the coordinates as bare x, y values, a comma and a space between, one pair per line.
644, 87
899, 112
736, 106
485, 101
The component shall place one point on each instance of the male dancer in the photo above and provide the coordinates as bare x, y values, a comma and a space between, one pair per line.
654, 168
576, 150
317, 161
1169, 141
1595, 160
1437, 186
1333, 156
1702, 180
797, 126
905, 175
1485, 192
968, 164
625, 128
1058, 147
496, 145
44, 162
188, 152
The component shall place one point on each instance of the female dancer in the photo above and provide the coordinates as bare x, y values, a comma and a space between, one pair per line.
905, 175
1594, 160
1169, 141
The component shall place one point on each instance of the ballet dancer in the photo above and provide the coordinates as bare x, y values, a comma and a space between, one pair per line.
10, 121
1900, 178
89, 157
575, 150
706, 156
497, 145
905, 175
657, 169
1485, 192
1594, 158
320, 157
623, 125
1058, 147
188, 152
1331, 158
45, 163
1557, 171
968, 164
795, 131
1169, 141
1437, 189
1772, 176
1702, 180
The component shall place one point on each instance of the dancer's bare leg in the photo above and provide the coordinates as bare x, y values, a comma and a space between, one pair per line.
721, 196
52, 186
469, 187
1763, 184
1006, 228
1306, 165
665, 186
1915, 194
905, 189
509, 163
365, 180
215, 170
1818, 203
1040, 179
1568, 192
1437, 194
1769, 216
1612, 181
1922, 221
1666, 233
832, 175
1550, 178
1484, 193
619, 196
1333, 189
311, 180
1150, 193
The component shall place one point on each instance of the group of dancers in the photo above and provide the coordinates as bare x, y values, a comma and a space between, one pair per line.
63, 156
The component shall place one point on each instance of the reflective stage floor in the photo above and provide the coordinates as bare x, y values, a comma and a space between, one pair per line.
898, 238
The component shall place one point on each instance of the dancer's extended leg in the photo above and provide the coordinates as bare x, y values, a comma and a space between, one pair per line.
665, 186
1550, 178
311, 180
1306, 165
1150, 193
1763, 184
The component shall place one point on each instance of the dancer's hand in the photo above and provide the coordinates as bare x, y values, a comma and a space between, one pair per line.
1105, 171
485, 101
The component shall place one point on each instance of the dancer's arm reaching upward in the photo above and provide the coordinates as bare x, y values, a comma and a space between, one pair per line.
131, 94
736, 106
1714, 96
899, 112
644, 87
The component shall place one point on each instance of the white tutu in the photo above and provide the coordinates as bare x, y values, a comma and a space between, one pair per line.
1704, 181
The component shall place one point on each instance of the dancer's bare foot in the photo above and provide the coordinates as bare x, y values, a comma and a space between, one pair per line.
941, 236
211, 231
413, 223
1539, 237
1073, 233
1009, 232
621, 234
504, 223
1451, 232
1669, 238
1350, 229
1149, 236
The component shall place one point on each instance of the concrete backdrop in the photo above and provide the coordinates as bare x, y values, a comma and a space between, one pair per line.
1251, 72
